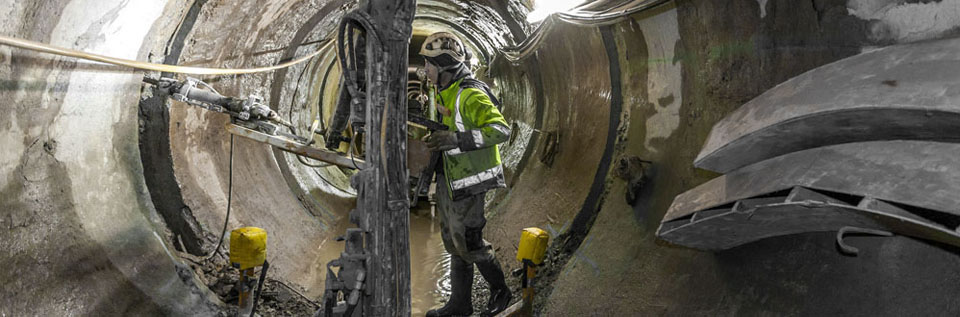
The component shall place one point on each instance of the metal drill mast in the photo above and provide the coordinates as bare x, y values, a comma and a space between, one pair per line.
374, 275
389, 236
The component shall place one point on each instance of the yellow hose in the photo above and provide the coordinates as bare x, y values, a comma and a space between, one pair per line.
40, 47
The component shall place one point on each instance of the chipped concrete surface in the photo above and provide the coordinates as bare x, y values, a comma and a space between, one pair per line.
661, 34
903, 21
81, 212
763, 8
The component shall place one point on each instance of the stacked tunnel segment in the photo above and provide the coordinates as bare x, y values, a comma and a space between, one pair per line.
865, 141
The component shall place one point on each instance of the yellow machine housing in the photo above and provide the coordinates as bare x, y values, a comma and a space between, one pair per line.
533, 245
248, 247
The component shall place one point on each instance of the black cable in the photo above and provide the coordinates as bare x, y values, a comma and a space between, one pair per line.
293, 100
296, 91
226, 219
323, 89
352, 160
256, 296
224, 233
344, 35
348, 23
295, 292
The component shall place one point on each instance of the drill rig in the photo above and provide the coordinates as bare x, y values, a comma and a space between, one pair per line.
250, 118
374, 269
373, 278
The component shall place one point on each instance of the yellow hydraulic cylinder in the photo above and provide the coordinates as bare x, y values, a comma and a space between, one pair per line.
248, 247
533, 245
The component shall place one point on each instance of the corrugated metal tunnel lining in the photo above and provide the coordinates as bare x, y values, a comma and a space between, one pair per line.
97, 171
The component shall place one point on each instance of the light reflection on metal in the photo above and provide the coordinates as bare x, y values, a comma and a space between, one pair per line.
294, 147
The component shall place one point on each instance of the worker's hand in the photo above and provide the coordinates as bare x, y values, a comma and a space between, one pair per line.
442, 141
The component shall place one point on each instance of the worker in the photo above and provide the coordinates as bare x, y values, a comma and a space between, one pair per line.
470, 167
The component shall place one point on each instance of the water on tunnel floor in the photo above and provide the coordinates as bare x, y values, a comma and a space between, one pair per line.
429, 262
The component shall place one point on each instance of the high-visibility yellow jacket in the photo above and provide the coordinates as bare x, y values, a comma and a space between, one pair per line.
474, 167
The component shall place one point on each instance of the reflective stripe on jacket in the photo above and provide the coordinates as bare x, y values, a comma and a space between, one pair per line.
474, 167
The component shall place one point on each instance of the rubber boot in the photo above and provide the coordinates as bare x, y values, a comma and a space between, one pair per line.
461, 285
499, 292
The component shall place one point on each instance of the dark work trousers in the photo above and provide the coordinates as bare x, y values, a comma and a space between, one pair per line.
461, 225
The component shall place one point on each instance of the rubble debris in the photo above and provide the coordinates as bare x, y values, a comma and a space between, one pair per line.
632, 170
277, 299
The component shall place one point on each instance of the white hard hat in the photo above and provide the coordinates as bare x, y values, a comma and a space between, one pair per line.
444, 43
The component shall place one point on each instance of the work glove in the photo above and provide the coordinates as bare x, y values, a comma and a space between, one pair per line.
439, 141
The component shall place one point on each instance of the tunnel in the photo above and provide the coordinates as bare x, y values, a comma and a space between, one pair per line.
115, 195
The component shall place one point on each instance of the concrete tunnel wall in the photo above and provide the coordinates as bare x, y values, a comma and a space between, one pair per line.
686, 66
86, 237
79, 233
298, 224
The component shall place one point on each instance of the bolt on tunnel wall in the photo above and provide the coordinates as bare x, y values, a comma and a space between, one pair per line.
112, 192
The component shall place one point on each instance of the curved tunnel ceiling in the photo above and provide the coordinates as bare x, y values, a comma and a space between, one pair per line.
109, 199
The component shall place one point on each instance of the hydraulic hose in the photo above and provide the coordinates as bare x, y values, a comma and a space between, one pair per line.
581, 17
226, 220
45, 48
351, 92
256, 296
363, 20
531, 44
608, 16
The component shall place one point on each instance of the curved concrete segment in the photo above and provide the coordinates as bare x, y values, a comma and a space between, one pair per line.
918, 173
915, 179
86, 240
802, 210
907, 92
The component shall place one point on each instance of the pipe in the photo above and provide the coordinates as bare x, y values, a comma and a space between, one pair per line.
577, 17
46, 48
608, 16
